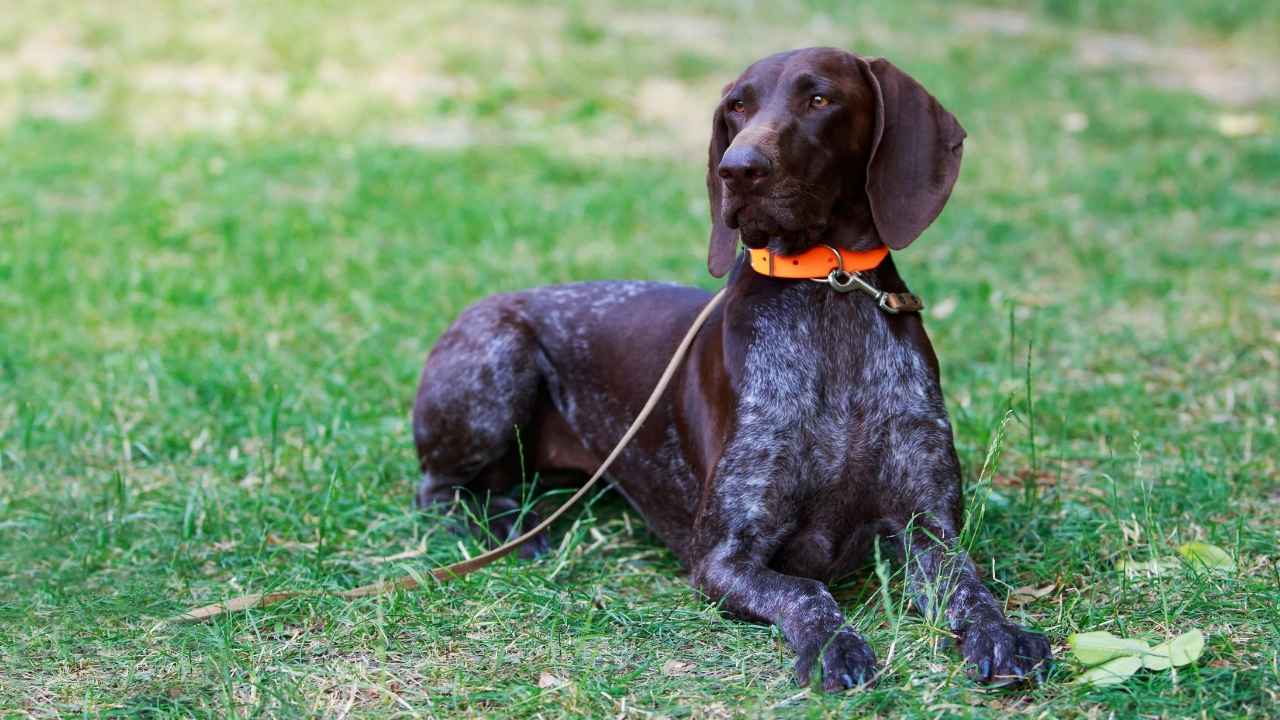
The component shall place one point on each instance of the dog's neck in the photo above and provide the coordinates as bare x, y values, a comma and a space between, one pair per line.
843, 234
854, 236
850, 226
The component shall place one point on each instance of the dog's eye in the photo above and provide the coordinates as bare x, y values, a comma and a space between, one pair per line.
738, 106
819, 101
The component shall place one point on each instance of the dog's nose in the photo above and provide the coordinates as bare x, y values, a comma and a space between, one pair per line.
744, 167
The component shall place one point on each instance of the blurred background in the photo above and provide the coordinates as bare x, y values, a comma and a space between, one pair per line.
230, 232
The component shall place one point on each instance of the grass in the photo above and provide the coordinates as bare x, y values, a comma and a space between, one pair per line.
229, 234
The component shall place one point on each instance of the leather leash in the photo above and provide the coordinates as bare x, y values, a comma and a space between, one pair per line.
458, 569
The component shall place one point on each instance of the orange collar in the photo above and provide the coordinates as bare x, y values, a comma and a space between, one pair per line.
816, 262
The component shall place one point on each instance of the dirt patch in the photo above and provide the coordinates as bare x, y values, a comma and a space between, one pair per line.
406, 81
211, 80
1211, 73
438, 135
1226, 75
1000, 22
683, 109
692, 31
67, 108
741, 39
47, 55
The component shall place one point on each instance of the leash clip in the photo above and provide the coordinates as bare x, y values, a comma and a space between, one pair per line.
844, 282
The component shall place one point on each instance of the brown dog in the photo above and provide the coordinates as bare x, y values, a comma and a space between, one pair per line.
806, 421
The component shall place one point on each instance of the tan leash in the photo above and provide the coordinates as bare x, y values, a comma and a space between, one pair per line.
456, 570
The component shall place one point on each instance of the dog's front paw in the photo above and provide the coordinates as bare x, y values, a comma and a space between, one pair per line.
847, 661
506, 528
1001, 653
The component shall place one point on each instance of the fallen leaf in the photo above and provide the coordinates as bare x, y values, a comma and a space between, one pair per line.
1113, 672
1182, 650
1210, 556
1100, 646
1233, 125
1029, 594
1074, 122
943, 310
273, 539
676, 667
1154, 566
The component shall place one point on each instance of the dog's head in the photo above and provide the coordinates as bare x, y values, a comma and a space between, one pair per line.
821, 145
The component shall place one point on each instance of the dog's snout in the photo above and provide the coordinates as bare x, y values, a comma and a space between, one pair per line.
744, 167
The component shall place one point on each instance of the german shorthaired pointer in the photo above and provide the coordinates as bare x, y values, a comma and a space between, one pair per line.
806, 421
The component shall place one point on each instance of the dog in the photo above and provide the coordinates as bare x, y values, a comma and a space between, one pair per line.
806, 424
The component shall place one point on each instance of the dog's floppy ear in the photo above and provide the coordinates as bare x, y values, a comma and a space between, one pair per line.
724, 240
915, 154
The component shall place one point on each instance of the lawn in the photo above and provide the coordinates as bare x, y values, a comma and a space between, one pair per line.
229, 233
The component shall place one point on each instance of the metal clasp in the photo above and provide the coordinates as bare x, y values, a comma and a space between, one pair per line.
843, 282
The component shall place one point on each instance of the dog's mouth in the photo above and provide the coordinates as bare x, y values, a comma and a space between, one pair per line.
781, 223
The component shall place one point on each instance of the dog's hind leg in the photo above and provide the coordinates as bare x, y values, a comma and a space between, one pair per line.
478, 391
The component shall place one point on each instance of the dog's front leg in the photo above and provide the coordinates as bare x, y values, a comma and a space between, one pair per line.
998, 651
927, 507
803, 609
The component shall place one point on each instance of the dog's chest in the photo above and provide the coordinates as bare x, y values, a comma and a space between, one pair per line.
819, 384
802, 393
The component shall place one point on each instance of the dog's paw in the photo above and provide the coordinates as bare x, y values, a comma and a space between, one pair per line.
1001, 653
847, 661
506, 528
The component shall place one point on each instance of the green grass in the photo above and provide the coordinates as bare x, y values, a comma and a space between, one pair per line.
230, 233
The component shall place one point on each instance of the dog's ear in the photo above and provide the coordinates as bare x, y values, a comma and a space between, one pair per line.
915, 154
724, 240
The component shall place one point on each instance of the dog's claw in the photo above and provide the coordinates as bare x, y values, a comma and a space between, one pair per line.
1002, 653
847, 662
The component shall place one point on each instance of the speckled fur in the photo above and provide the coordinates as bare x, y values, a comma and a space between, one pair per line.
803, 425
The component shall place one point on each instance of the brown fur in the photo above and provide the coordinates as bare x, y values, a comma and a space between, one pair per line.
804, 424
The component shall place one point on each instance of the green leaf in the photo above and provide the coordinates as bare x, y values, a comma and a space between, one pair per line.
1182, 650
1111, 673
1100, 646
1210, 556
